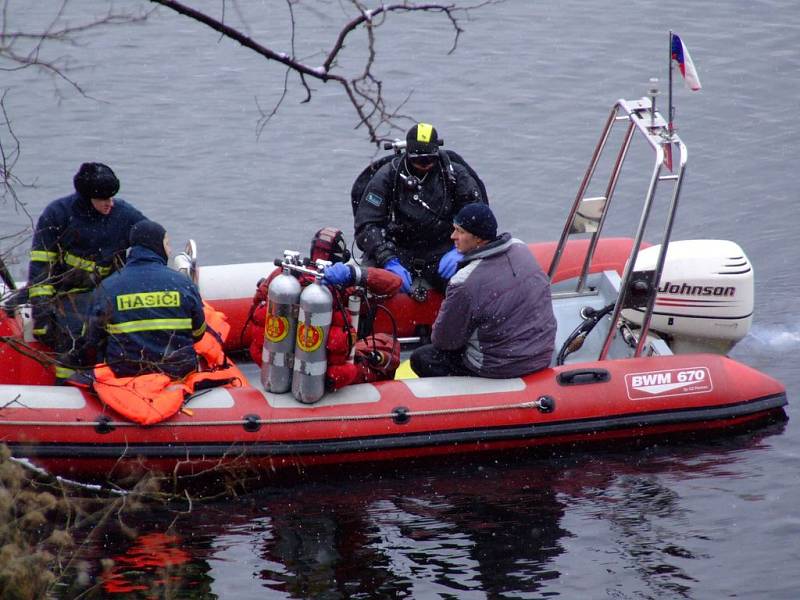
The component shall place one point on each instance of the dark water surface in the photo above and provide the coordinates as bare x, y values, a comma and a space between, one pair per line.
173, 110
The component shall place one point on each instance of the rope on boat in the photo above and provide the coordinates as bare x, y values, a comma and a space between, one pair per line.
319, 419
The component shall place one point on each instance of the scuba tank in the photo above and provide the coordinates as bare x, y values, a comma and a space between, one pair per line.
313, 324
279, 329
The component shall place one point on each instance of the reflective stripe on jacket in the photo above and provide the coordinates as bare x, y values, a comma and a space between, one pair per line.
74, 246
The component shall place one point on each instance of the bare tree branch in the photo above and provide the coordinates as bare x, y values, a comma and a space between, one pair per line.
8, 156
33, 43
364, 90
23, 50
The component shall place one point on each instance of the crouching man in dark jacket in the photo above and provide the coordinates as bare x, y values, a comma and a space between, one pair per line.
497, 316
147, 316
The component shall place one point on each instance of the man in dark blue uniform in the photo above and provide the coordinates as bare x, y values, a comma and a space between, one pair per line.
79, 240
147, 317
404, 219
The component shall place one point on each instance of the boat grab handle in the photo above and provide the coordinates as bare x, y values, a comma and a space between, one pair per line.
583, 376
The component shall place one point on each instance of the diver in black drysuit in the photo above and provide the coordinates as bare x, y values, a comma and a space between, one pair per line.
404, 219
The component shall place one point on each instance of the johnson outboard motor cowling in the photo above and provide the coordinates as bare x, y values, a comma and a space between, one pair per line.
705, 296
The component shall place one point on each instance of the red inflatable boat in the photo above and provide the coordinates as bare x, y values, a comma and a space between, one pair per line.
643, 333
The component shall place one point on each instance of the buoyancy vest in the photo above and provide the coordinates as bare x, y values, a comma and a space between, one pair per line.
378, 282
376, 358
259, 314
154, 397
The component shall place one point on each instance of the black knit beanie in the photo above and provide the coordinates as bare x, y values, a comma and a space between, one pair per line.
150, 235
478, 219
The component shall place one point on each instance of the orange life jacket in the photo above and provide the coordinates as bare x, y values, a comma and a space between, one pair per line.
209, 347
154, 397
145, 399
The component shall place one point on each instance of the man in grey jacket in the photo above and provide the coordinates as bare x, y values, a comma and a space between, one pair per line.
497, 316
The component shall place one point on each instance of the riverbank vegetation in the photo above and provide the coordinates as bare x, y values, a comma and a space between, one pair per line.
46, 522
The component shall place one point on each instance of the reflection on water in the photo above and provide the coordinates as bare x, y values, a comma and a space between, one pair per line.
154, 558
481, 530
636, 506
489, 528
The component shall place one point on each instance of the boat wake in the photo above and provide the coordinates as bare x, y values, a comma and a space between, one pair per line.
772, 338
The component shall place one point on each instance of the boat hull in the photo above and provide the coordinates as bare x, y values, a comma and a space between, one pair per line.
69, 433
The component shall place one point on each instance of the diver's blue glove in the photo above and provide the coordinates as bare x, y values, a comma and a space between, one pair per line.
449, 263
393, 266
338, 274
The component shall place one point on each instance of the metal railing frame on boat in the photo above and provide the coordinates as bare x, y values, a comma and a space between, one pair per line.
642, 117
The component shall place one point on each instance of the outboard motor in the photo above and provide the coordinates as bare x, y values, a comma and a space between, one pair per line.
313, 324
279, 330
705, 297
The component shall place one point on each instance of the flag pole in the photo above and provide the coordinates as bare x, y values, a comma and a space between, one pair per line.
670, 110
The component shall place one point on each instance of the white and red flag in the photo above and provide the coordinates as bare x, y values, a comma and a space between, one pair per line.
680, 54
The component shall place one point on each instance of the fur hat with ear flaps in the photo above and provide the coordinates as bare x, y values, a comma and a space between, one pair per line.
96, 181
